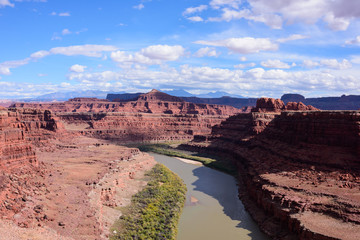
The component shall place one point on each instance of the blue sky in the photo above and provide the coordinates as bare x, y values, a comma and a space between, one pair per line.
247, 47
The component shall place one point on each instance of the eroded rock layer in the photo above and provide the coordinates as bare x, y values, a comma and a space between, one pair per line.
299, 171
19, 130
140, 127
152, 102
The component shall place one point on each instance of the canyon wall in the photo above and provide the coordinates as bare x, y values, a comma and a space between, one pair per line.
20, 129
299, 170
154, 116
140, 127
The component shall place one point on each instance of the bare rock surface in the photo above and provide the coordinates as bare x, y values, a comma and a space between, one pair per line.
299, 170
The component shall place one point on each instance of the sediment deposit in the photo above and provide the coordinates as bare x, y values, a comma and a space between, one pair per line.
299, 170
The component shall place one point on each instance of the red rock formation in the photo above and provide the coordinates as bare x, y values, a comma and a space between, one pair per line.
299, 171
276, 105
299, 106
269, 105
139, 127
152, 102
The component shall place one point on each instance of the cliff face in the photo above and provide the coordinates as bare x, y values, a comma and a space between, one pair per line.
19, 130
300, 171
139, 127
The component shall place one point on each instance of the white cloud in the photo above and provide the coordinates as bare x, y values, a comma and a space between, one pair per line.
355, 41
292, 38
40, 54
206, 51
310, 63
6, 66
139, 7
338, 14
328, 63
192, 10
195, 19
245, 45
274, 64
65, 31
245, 65
152, 55
84, 50
163, 52
272, 20
333, 63
229, 3
77, 68
4, 3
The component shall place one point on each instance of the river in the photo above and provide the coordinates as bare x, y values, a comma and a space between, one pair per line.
212, 210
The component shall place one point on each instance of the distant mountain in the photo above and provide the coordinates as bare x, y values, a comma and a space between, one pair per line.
217, 94
64, 96
350, 102
179, 93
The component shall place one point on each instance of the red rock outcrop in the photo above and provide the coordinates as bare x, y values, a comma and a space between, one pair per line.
299, 171
19, 129
140, 127
276, 105
152, 102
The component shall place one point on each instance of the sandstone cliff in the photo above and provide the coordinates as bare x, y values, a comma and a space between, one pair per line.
299, 170
152, 102
20, 129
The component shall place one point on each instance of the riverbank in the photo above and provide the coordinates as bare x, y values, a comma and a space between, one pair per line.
154, 212
213, 161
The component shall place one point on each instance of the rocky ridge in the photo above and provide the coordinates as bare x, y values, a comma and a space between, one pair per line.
299, 170
152, 102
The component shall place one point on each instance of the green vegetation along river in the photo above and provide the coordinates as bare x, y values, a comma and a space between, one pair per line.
212, 210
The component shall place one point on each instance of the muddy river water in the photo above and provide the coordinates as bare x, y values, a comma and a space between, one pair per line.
213, 210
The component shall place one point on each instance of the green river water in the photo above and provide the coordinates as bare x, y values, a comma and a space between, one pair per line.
213, 210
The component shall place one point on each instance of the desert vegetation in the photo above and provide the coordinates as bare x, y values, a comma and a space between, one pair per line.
154, 212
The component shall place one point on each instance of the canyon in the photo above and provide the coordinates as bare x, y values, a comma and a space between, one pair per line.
298, 170
65, 171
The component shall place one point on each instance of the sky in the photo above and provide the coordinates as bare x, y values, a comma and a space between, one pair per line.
251, 48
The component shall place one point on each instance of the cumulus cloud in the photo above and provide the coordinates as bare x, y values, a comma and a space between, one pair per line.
206, 51
77, 68
274, 64
292, 38
245, 45
337, 14
328, 63
152, 55
192, 10
229, 3
310, 64
335, 64
195, 19
355, 41
245, 65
